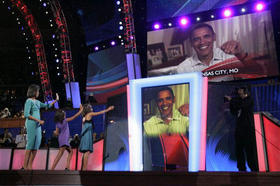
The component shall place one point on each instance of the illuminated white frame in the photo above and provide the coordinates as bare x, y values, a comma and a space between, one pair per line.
197, 128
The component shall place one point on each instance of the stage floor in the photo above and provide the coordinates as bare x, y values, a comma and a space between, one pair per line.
137, 178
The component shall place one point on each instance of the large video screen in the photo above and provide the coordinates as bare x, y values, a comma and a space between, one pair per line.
106, 72
165, 112
235, 48
161, 9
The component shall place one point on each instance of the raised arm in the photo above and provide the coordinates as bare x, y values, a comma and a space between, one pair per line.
101, 112
76, 115
56, 99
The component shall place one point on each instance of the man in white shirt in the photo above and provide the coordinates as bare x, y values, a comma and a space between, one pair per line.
202, 37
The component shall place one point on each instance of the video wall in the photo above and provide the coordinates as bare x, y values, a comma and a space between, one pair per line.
165, 127
235, 48
106, 73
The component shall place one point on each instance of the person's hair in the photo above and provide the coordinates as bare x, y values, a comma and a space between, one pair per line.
200, 25
164, 89
32, 90
245, 90
86, 109
59, 116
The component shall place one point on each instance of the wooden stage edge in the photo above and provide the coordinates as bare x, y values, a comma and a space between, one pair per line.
38, 177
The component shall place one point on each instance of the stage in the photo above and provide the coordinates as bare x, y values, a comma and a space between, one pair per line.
137, 178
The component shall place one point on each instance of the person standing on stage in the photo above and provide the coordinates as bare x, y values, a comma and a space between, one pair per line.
33, 124
62, 131
86, 134
245, 139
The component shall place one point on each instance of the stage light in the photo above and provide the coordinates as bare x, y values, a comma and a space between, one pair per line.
50, 20
157, 26
259, 6
113, 43
26, 38
57, 60
46, 12
22, 28
119, 9
57, 67
58, 74
51, 25
212, 16
26, 47
118, 2
55, 49
120, 36
120, 23
121, 27
243, 10
18, 23
23, 33
227, 12
55, 55
12, 12
131, 37
44, 4
53, 36
53, 44
169, 24
29, 57
17, 18
3, 1
96, 48
198, 19
184, 21
122, 43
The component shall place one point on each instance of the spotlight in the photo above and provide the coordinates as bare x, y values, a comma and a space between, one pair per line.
122, 43
157, 26
46, 12
212, 16
57, 60
198, 19
183, 21
53, 36
17, 19
120, 36
29, 57
119, 9
113, 43
169, 24
44, 4
57, 67
18, 23
227, 12
58, 74
51, 25
131, 37
120, 23
121, 27
55, 49
96, 48
23, 33
53, 44
243, 10
259, 6
118, 2
55, 55
50, 20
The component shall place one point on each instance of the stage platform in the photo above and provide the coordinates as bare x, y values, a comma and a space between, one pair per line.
137, 178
